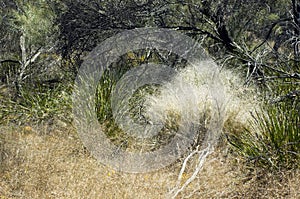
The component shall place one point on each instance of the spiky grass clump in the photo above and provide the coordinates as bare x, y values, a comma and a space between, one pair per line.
273, 141
37, 105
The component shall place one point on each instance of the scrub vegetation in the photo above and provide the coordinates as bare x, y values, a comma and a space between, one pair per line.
256, 45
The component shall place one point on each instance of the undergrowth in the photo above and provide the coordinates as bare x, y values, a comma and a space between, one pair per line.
36, 104
273, 139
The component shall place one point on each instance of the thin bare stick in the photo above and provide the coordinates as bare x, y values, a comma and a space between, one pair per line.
201, 159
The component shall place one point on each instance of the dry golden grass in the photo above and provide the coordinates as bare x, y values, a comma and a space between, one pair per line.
38, 163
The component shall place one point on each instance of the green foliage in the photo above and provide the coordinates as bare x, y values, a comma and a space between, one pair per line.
103, 94
27, 48
274, 139
37, 105
35, 21
110, 78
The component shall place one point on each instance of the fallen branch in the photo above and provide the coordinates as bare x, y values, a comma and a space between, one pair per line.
201, 159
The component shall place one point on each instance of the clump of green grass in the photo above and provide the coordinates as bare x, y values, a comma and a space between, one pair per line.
37, 104
273, 139
103, 95
106, 85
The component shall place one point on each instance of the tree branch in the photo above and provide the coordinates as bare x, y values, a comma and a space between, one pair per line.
9, 61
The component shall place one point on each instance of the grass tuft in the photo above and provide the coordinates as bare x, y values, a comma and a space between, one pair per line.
273, 140
37, 104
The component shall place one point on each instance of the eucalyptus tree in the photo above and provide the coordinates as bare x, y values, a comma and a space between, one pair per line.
27, 40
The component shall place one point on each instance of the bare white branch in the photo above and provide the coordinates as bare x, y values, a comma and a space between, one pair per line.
201, 159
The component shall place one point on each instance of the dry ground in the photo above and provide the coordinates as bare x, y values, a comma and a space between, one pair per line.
45, 163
